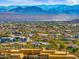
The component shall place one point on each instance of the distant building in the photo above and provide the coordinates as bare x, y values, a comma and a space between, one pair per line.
36, 54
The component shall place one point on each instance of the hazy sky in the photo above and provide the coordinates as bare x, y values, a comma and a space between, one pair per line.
37, 2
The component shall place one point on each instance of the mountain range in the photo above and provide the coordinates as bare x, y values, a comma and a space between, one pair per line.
39, 13
42, 9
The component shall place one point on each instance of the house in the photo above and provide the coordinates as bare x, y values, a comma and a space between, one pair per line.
42, 34
28, 39
30, 35
36, 43
76, 36
5, 39
19, 39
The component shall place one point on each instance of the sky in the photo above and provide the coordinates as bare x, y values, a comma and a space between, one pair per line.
38, 2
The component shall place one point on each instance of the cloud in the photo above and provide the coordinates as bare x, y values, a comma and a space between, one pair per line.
72, 1
29, 2
69, 2
18, 0
41, 0
35, 2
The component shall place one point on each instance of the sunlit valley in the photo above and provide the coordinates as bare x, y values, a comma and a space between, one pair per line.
39, 32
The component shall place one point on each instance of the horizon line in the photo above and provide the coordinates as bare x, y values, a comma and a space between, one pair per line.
38, 4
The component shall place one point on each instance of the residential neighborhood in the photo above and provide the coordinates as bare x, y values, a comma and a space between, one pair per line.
39, 35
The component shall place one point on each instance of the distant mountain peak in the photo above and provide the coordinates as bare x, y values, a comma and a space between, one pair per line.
42, 9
